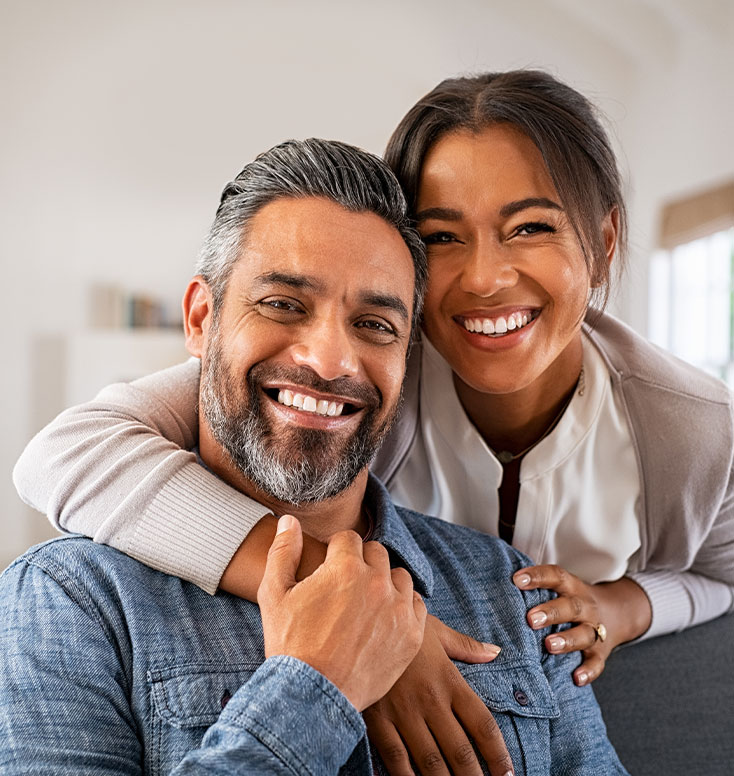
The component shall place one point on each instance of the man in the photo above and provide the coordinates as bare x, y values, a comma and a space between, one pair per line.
302, 314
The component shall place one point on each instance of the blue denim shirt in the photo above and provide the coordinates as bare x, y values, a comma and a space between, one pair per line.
109, 667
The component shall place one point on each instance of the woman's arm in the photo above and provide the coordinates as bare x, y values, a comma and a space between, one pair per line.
118, 470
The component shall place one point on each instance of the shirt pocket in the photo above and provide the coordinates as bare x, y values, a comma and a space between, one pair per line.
185, 701
517, 693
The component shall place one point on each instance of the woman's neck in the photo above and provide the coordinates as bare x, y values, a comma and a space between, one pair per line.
514, 421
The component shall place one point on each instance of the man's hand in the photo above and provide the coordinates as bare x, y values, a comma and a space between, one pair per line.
620, 606
354, 620
431, 713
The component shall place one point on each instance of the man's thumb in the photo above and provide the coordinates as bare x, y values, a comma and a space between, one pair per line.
284, 556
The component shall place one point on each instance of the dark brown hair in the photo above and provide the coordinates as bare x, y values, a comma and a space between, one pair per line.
561, 122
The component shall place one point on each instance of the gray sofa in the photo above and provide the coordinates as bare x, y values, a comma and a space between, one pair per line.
669, 702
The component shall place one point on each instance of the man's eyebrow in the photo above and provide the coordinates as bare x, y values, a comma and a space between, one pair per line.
440, 213
388, 301
292, 279
523, 204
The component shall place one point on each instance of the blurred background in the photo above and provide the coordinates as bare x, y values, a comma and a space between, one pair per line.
121, 122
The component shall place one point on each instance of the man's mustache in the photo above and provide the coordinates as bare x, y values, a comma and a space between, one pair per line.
361, 391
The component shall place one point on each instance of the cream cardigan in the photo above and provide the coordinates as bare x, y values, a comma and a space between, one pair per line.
117, 469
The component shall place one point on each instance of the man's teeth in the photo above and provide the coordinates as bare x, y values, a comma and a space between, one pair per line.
309, 403
500, 325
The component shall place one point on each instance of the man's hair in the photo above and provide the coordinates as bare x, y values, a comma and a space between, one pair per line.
350, 177
561, 122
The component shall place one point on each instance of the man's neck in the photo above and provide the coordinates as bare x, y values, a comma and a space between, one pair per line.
320, 519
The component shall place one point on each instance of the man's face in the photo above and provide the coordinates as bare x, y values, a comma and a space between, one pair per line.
303, 365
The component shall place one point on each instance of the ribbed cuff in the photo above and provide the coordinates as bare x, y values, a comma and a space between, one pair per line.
669, 599
194, 537
298, 714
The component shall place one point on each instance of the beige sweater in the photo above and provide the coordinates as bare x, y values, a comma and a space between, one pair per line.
117, 469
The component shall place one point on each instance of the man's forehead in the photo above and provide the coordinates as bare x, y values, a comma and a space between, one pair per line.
316, 245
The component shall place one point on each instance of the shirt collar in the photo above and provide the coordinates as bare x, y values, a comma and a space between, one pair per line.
392, 532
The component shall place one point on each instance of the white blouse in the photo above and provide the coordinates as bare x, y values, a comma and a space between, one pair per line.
579, 487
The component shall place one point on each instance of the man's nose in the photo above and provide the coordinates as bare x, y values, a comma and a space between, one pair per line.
488, 268
328, 349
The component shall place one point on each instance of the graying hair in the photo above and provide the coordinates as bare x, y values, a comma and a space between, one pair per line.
353, 178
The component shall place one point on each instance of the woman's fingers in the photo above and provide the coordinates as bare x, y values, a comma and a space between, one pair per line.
581, 637
548, 576
564, 609
592, 667
386, 739
481, 725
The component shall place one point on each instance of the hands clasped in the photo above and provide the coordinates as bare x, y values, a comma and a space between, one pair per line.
355, 620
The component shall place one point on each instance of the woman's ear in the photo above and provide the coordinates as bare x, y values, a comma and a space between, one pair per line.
610, 230
198, 309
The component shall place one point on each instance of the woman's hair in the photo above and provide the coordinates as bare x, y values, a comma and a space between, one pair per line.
564, 126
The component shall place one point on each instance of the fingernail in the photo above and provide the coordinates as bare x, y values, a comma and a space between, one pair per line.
492, 649
582, 677
510, 773
523, 580
556, 643
537, 619
284, 523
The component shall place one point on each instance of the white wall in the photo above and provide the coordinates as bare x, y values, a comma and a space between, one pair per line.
121, 122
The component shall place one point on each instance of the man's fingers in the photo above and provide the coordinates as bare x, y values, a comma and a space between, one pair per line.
459, 646
457, 750
592, 667
549, 576
284, 556
376, 555
345, 543
483, 728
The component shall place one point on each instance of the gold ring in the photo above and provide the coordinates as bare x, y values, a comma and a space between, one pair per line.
600, 631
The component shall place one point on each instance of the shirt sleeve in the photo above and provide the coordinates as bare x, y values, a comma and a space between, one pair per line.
118, 470
682, 599
578, 736
287, 719
65, 699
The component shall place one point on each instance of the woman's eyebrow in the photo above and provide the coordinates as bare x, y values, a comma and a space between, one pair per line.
441, 213
522, 204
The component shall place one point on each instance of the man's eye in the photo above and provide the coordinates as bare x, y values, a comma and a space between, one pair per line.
373, 325
285, 305
439, 238
535, 227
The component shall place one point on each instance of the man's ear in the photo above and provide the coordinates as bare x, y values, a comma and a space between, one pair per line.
198, 309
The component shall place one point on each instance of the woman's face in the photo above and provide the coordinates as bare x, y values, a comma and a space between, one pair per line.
508, 284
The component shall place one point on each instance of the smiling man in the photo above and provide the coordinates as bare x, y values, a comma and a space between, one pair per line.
307, 293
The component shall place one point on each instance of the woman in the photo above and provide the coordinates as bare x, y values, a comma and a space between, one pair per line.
528, 413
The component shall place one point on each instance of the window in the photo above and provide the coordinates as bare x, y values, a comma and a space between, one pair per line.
692, 302
691, 292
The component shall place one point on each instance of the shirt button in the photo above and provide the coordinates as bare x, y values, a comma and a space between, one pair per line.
521, 698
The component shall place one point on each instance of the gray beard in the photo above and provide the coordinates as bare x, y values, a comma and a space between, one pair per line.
299, 466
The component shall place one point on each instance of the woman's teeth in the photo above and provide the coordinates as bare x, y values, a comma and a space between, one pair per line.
496, 326
309, 403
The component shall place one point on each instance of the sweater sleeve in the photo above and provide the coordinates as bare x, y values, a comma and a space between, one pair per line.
118, 470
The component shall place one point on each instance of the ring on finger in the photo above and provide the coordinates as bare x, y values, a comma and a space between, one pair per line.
600, 632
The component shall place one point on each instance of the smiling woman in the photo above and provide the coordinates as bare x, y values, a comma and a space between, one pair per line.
528, 413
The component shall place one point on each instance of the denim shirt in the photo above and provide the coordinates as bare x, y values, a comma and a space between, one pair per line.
109, 667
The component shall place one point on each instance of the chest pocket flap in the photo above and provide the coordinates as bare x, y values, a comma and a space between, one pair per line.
516, 686
193, 695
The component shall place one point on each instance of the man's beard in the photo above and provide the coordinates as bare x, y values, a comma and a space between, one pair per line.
295, 465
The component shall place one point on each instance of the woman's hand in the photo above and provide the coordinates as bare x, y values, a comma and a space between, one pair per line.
432, 711
621, 607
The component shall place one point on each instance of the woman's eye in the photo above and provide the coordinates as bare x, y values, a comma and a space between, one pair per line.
439, 238
534, 227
